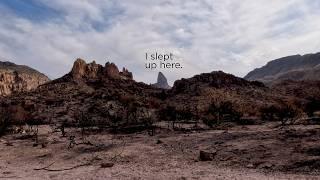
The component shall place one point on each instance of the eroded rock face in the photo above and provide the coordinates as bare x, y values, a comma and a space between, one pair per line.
111, 70
17, 78
82, 70
162, 82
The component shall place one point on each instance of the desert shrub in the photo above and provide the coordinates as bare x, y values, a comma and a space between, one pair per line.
169, 113
222, 111
270, 113
284, 113
287, 114
248, 121
126, 98
209, 121
84, 122
4, 121
173, 115
184, 115
312, 106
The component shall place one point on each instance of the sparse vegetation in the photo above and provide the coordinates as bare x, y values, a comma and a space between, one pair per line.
270, 113
288, 114
285, 113
4, 121
222, 111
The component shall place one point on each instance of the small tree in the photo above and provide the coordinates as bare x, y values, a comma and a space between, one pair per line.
83, 121
4, 121
169, 114
222, 111
287, 113
270, 113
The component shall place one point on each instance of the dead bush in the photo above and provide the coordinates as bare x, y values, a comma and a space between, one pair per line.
4, 121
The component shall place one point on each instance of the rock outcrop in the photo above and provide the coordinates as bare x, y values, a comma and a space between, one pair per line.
162, 82
18, 78
82, 70
296, 67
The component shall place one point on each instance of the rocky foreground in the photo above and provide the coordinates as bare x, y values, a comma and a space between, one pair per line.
242, 152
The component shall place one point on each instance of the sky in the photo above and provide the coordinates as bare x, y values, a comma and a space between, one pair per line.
204, 35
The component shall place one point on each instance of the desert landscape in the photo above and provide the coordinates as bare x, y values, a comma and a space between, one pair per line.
96, 122
246, 152
159, 90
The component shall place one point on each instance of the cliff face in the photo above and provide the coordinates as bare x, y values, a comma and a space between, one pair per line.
17, 78
296, 67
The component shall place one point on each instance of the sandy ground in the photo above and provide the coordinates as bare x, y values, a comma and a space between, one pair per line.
246, 152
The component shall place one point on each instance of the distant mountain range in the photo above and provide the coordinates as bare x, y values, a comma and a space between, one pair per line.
297, 67
18, 78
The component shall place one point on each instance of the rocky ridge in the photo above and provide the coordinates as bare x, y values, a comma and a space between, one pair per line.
17, 78
297, 67
105, 95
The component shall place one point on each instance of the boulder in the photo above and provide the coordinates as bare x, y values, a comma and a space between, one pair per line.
207, 156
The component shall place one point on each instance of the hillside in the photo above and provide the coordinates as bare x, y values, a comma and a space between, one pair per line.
296, 67
19, 78
247, 97
102, 94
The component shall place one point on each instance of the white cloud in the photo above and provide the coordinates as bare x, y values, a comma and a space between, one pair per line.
230, 35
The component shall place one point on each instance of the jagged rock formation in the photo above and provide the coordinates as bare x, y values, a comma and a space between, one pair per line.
296, 67
92, 92
162, 82
82, 70
105, 96
18, 78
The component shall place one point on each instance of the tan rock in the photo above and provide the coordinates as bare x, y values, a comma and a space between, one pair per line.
16, 78
111, 71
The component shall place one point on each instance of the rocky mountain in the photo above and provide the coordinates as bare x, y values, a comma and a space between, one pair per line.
201, 90
17, 78
103, 95
89, 92
162, 82
296, 67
